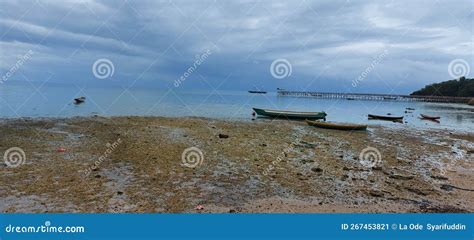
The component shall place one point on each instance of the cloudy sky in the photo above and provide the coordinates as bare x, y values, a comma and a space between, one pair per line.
345, 46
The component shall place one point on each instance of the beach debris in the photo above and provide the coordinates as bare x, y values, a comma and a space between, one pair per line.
60, 149
344, 177
79, 100
119, 192
223, 135
448, 188
317, 169
199, 207
417, 191
439, 177
401, 177
375, 193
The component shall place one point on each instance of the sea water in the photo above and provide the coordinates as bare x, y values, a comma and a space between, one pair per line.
57, 101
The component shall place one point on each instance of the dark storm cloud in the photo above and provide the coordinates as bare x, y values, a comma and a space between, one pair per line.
152, 43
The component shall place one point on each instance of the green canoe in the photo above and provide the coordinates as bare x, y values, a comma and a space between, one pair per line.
289, 114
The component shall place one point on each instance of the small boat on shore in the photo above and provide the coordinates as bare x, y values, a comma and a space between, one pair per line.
257, 92
79, 100
338, 126
387, 118
424, 116
290, 114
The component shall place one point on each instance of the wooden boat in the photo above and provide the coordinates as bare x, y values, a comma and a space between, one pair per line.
79, 100
338, 126
290, 114
429, 117
257, 92
388, 118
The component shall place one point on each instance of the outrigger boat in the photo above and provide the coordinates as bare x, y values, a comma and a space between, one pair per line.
338, 126
387, 118
290, 114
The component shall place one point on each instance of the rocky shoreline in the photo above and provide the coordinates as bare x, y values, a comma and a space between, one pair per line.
154, 164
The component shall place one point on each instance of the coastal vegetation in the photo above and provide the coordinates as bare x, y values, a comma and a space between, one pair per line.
462, 87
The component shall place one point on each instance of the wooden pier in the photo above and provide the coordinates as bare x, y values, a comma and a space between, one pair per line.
375, 97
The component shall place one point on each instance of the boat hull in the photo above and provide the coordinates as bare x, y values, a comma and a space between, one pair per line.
337, 126
429, 117
290, 114
387, 118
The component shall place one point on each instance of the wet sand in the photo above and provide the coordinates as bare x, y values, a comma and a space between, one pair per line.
135, 164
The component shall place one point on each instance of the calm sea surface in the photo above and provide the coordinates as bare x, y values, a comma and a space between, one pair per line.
48, 101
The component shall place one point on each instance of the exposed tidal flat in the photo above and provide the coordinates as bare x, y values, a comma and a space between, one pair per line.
140, 164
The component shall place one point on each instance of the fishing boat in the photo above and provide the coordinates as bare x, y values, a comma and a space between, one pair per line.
388, 118
79, 100
429, 117
290, 114
338, 126
257, 92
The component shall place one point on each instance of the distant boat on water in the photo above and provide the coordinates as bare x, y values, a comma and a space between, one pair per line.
79, 100
257, 92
